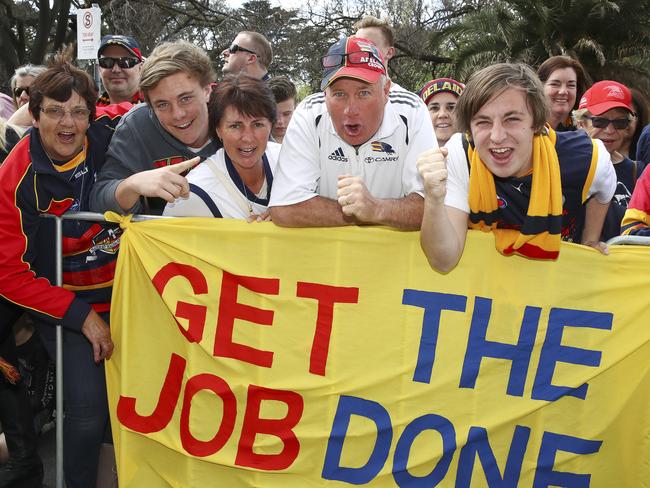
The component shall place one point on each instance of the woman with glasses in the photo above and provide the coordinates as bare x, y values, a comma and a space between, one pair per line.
606, 112
50, 172
236, 181
21, 82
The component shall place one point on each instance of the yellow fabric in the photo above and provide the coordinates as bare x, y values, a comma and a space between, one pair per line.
373, 353
546, 199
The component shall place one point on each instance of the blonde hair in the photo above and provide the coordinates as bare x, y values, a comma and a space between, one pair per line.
369, 21
261, 46
172, 57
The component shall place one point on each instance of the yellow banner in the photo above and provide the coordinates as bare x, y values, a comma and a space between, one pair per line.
250, 355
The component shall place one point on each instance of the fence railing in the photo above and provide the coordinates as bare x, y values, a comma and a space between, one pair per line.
85, 216
629, 241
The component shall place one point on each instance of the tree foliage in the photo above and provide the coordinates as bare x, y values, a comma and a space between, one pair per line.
610, 38
433, 37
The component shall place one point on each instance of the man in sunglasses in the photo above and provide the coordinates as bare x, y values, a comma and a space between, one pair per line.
605, 112
120, 61
349, 153
251, 53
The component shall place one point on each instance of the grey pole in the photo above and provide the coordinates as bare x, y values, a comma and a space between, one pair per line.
59, 360
89, 216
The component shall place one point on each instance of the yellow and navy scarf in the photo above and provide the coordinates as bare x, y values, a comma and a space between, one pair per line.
539, 236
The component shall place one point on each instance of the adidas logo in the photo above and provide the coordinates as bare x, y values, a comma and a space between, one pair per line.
338, 155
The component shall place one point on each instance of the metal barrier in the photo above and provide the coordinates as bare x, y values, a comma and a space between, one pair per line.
87, 216
96, 217
629, 241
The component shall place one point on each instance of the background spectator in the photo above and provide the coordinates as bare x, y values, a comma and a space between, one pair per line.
641, 119
7, 107
120, 63
249, 52
606, 113
21, 82
565, 81
440, 97
284, 92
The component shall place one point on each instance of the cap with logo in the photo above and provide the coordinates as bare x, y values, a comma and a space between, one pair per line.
353, 57
440, 85
127, 42
606, 95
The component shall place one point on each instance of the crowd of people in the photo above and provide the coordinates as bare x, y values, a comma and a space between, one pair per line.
534, 157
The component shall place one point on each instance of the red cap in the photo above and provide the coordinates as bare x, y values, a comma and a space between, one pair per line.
353, 57
606, 95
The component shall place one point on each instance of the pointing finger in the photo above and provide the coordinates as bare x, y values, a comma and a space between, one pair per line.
185, 165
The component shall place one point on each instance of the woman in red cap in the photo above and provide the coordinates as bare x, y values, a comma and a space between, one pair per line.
440, 97
605, 112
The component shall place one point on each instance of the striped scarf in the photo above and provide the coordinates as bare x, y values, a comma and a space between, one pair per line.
539, 236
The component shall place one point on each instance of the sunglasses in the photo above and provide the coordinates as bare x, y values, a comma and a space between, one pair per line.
603, 122
357, 57
124, 63
19, 91
236, 47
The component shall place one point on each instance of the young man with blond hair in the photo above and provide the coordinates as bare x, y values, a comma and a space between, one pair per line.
147, 155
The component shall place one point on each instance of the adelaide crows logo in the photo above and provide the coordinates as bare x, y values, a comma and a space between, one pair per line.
501, 202
378, 146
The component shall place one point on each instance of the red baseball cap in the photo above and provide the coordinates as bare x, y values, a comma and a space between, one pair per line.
353, 57
606, 95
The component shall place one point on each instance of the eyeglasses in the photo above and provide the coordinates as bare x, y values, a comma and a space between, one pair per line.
58, 113
19, 91
356, 57
603, 122
124, 63
236, 47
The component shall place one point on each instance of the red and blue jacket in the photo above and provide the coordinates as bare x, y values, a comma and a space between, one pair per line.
31, 185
